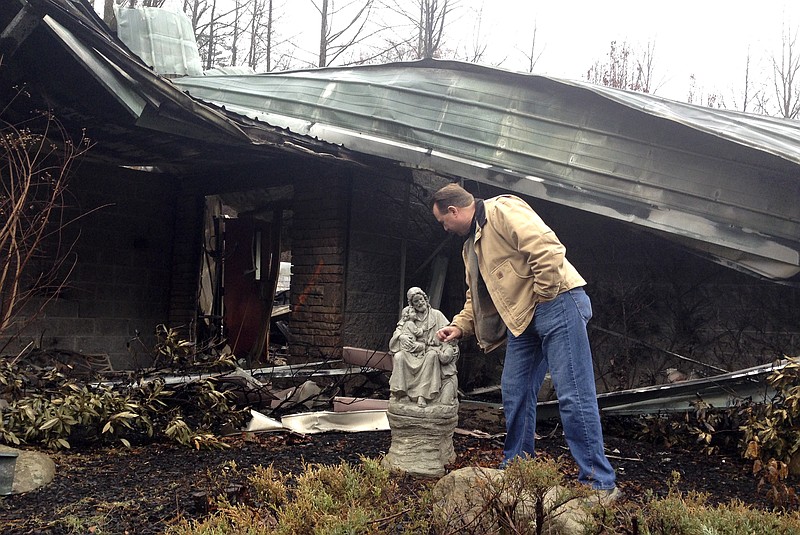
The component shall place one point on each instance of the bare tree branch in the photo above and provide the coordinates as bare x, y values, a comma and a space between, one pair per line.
785, 70
35, 162
533, 57
347, 36
427, 19
624, 70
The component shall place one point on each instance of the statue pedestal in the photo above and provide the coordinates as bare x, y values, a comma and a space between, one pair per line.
422, 438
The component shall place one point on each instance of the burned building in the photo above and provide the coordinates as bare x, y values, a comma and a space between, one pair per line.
683, 219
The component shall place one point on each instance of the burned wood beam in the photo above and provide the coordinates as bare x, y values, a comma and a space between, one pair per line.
20, 27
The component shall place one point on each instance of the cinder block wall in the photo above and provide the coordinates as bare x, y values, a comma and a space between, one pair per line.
392, 238
121, 280
653, 300
378, 217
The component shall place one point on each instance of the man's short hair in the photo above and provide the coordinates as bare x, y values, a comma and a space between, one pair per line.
451, 195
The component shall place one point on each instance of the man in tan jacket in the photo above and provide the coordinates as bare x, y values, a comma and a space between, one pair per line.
523, 290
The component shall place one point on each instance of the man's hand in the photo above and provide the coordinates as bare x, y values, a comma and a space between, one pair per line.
449, 333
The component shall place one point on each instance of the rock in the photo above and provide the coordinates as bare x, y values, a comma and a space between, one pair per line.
478, 500
564, 513
461, 499
33, 469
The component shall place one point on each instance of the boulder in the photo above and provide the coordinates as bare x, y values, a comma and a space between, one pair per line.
32, 470
478, 500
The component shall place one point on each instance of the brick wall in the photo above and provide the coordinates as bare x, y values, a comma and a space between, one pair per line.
319, 243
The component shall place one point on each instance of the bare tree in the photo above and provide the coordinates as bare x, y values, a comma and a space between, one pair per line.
260, 34
751, 98
196, 10
35, 162
427, 20
433, 15
645, 68
785, 69
211, 29
533, 56
476, 49
264, 49
624, 70
746, 97
702, 97
211, 38
238, 11
335, 42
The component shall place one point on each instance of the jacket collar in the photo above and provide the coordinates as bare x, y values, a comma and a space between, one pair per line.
478, 219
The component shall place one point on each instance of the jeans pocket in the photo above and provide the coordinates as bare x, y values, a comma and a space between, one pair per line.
582, 302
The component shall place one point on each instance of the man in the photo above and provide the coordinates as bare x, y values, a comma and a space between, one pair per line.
522, 287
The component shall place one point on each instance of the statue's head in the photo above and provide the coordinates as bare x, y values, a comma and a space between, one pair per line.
414, 294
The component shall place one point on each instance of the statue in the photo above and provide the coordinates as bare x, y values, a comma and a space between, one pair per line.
424, 369
423, 405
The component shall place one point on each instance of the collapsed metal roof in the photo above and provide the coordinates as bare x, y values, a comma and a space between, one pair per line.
723, 183
64, 56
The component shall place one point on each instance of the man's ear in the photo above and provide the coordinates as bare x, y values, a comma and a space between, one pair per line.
453, 210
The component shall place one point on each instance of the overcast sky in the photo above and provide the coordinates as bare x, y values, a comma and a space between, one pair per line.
707, 38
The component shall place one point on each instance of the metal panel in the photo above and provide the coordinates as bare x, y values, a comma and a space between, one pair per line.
136, 117
162, 38
723, 183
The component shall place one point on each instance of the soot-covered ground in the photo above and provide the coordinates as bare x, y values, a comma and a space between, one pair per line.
142, 489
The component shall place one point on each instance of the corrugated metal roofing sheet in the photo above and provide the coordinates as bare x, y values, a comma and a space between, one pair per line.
64, 56
724, 183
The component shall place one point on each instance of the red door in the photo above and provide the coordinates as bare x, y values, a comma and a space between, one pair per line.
248, 286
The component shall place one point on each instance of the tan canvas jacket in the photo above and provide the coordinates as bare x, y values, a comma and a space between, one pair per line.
522, 263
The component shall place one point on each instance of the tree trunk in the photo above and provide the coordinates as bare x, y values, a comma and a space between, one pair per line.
211, 37
108, 13
323, 35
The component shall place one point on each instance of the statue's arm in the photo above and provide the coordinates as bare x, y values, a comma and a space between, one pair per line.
394, 341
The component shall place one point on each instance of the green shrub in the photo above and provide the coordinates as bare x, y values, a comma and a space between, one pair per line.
771, 436
367, 499
690, 514
330, 500
45, 406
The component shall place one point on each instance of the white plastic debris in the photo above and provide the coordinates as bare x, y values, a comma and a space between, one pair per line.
320, 422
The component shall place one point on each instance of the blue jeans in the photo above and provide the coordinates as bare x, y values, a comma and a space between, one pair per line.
556, 338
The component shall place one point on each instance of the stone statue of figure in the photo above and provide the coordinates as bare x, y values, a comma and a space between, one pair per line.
423, 406
424, 369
